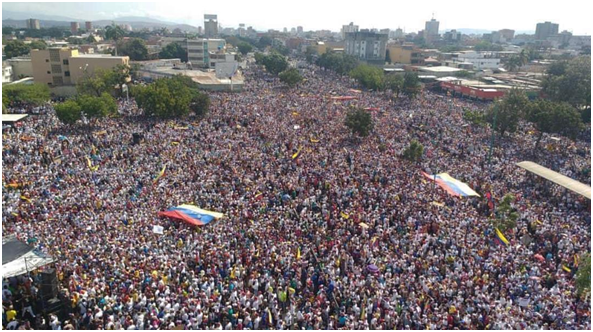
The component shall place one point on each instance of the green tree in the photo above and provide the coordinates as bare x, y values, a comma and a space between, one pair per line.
411, 84
506, 215
291, 77
264, 42
173, 51
414, 151
282, 50
275, 63
97, 107
360, 122
554, 118
135, 48
94, 84
115, 33
370, 77
395, 83
342, 64
569, 82
15, 48
165, 98
474, 117
309, 53
583, 280
37, 45
34, 94
200, 101
259, 58
68, 112
508, 111
244, 48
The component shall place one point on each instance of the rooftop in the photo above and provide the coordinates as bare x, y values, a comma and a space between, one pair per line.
439, 69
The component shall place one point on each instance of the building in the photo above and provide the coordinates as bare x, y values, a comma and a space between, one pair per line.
299, 30
399, 33
407, 54
480, 60
64, 66
348, 28
74, 26
33, 24
88, 25
205, 53
431, 30
545, 30
507, 34
241, 31
210, 26
6, 72
452, 36
367, 46
21, 67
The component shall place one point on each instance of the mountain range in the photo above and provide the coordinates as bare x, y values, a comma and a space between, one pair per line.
18, 20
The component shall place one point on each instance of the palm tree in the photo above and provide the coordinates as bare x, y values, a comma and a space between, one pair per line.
115, 33
524, 57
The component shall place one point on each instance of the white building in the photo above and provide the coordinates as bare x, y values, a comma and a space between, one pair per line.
6, 73
480, 60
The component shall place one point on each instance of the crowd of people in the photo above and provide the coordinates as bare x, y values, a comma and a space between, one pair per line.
322, 229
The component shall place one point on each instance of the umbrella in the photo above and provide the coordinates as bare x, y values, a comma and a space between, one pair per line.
373, 268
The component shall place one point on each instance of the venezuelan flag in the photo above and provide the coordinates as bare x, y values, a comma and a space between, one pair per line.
191, 214
344, 215
453, 186
566, 268
313, 140
501, 237
298, 255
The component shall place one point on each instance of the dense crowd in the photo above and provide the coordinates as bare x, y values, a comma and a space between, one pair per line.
346, 235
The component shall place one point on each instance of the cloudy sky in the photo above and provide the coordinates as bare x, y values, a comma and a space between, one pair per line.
519, 15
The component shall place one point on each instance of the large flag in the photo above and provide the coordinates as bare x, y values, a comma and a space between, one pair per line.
191, 214
503, 240
453, 186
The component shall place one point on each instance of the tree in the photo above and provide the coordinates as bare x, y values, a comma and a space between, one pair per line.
583, 280
200, 101
173, 51
414, 151
508, 111
34, 94
411, 85
264, 41
513, 63
506, 215
569, 82
165, 98
244, 48
474, 117
37, 45
554, 118
97, 107
360, 122
282, 50
291, 77
68, 112
275, 63
115, 33
309, 53
102, 81
15, 48
342, 64
395, 83
135, 48
259, 58
370, 77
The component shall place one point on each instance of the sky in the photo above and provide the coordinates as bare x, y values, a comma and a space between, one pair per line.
409, 15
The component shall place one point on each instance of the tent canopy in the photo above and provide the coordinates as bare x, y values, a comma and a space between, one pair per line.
11, 118
557, 178
19, 258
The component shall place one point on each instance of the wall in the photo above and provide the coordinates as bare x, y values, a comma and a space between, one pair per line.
78, 64
21, 68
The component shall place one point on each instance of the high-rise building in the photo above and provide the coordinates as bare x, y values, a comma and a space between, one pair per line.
367, 46
74, 26
507, 34
431, 30
210, 25
33, 24
349, 28
399, 33
299, 30
242, 32
88, 25
545, 30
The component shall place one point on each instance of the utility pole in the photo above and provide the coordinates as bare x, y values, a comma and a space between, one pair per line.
492, 139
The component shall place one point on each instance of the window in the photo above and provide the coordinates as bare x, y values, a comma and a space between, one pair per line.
67, 73
46, 60
54, 55
49, 72
65, 62
57, 80
56, 69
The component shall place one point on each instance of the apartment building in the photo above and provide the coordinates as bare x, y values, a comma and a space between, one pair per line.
407, 54
367, 46
64, 66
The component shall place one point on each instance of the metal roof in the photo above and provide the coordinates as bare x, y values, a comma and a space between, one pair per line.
13, 117
559, 179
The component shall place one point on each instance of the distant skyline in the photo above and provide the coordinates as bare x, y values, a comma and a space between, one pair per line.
320, 15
